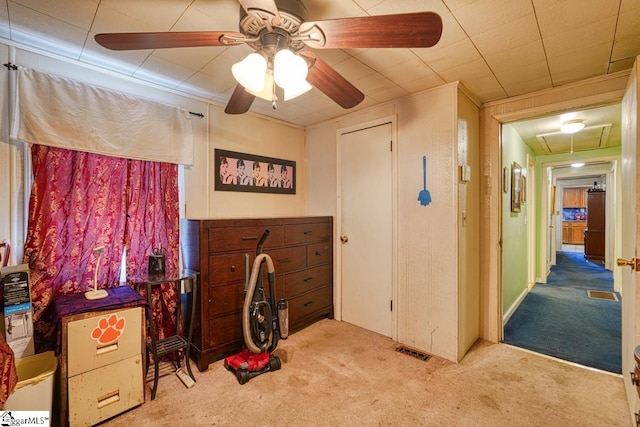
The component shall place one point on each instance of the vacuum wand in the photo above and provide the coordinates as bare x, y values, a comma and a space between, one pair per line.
262, 239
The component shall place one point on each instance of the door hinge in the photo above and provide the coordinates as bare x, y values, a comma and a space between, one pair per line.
390, 145
391, 305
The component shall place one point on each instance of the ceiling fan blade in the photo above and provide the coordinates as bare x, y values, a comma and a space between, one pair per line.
133, 41
328, 81
421, 29
240, 101
258, 7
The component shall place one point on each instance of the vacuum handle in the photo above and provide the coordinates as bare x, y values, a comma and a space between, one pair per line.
262, 239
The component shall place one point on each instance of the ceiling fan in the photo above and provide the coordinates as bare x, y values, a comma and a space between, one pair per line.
275, 26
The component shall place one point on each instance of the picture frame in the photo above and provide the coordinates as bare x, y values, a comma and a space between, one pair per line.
505, 179
516, 187
252, 173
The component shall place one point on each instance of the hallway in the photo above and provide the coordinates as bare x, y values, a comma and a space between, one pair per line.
575, 316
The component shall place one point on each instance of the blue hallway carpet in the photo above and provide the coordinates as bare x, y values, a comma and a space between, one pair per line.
560, 320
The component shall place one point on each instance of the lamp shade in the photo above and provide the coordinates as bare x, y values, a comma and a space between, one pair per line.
250, 72
267, 91
289, 68
294, 89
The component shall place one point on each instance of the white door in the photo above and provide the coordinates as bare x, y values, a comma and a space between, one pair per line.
366, 167
629, 234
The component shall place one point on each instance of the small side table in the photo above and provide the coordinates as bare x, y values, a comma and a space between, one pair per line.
185, 281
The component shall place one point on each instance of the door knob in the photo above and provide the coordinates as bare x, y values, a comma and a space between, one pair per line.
630, 262
344, 239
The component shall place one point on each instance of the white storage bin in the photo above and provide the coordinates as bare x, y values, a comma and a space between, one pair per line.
34, 391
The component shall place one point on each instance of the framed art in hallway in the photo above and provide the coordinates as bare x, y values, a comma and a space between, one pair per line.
516, 187
251, 173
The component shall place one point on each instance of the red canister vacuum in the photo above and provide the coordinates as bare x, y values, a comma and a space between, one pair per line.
263, 322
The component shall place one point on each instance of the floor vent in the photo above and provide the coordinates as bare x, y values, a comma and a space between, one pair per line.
609, 296
413, 353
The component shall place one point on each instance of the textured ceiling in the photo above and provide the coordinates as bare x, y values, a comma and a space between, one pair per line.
496, 48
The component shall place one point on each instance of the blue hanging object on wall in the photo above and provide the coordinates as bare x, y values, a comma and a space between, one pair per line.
424, 197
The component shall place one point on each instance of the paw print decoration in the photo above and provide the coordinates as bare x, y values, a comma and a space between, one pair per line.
108, 329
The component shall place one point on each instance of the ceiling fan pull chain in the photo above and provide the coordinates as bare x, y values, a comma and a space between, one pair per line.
274, 104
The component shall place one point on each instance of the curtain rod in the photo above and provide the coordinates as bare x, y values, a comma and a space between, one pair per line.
14, 67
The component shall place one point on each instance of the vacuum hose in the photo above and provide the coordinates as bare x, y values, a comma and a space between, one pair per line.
246, 310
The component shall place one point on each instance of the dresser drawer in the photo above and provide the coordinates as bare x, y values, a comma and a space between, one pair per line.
318, 253
97, 341
225, 298
104, 392
306, 280
288, 259
306, 233
225, 329
308, 303
226, 268
243, 238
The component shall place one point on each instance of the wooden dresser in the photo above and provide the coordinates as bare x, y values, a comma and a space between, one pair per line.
302, 252
594, 236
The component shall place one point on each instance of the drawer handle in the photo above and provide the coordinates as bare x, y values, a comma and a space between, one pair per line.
249, 238
106, 349
284, 260
233, 268
308, 232
306, 304
318, 253
108, 399
308, 279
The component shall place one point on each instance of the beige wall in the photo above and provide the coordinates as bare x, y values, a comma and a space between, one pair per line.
429, 294
468, 225
252, 134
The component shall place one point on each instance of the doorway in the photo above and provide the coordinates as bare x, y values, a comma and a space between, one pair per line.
366, 226
556, 174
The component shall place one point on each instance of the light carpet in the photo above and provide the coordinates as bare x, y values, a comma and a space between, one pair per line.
337, 374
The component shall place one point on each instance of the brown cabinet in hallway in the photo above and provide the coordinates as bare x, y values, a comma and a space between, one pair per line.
594, 244
302, 252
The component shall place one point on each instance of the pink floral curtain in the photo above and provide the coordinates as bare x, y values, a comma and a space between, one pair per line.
80, 201
154, 218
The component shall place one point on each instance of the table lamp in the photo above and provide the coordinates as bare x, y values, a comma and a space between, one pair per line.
96, 293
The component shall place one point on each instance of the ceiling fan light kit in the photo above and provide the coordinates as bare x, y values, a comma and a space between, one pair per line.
250, 72
279, 31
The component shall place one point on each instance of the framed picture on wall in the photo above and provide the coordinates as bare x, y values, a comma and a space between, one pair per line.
516, 187
251, 173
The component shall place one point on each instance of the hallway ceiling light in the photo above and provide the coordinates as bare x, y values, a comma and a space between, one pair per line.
572, 126
577, 165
